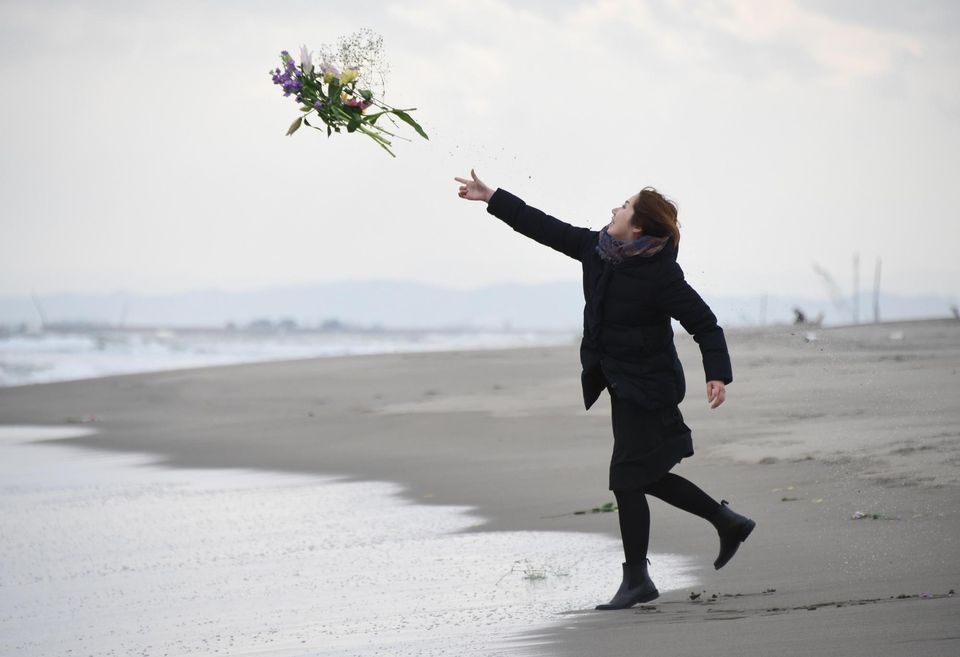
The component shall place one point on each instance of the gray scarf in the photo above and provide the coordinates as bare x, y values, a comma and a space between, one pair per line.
616, 251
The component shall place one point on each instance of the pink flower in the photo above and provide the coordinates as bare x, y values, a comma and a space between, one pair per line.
356, 102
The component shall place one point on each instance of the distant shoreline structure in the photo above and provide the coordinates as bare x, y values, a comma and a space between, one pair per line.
333, 328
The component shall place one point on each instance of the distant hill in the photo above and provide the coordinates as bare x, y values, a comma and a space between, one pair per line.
405, 305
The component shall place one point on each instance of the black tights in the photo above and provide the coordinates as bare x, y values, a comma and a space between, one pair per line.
635, 513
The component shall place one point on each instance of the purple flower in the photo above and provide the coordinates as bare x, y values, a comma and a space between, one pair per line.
288, 78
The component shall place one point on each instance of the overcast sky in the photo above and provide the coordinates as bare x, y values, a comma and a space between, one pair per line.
144, 146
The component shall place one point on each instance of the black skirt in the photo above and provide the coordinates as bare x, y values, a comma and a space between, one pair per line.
646, 444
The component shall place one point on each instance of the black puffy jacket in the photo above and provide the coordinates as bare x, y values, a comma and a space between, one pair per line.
627, 335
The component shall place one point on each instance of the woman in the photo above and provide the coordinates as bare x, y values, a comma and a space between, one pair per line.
632, 286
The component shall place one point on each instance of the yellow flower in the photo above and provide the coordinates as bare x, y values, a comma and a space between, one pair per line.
349, 75
343, 96
328, 77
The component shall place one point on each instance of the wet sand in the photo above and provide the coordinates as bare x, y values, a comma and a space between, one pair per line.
816, 428
107, 554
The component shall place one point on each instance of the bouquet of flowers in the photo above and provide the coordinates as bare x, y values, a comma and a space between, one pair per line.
338, 95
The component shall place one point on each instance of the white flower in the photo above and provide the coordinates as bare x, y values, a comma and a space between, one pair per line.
329, 71
306, 60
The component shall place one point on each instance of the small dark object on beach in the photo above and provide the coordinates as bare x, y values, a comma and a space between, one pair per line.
860, 515
694, 596
789, 499
84, 419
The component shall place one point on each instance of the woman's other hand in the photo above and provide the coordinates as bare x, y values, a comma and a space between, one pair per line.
474, 190
716, 393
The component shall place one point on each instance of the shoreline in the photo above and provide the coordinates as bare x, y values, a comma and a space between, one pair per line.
854, 418
54, 357
571, 337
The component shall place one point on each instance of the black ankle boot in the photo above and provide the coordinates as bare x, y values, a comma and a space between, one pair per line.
733, 529
635, 587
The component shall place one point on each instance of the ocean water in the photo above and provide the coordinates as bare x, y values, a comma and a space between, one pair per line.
48, 357
107, 554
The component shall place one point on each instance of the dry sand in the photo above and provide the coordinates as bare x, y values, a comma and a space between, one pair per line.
816, 427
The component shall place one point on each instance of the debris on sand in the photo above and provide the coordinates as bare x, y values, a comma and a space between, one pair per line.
607, 507
860, 515
83, 419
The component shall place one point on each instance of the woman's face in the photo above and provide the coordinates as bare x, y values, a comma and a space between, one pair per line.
620, 227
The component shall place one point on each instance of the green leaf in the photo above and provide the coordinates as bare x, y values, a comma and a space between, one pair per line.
307, 122
406, 118
328, 130
366, 93
294, 126
372, 118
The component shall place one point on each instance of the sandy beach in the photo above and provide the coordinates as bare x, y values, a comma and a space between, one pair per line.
842, 443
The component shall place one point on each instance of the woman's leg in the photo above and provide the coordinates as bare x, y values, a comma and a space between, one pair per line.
683, 494
636, 585
634, 515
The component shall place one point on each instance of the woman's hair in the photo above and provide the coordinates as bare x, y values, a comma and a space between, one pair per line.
656, 215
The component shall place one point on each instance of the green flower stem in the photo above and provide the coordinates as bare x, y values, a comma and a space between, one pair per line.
384, 144
373, 134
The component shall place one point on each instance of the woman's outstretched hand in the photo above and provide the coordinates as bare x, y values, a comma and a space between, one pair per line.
474, 190
716, 393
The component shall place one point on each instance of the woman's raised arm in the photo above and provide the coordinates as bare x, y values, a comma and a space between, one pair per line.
569, 240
